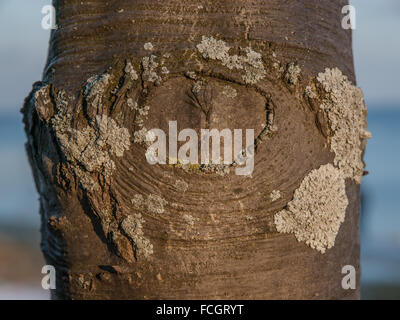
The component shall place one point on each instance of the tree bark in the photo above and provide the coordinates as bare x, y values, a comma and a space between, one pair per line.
116, 227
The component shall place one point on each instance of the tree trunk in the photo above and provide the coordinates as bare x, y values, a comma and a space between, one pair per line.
116, 227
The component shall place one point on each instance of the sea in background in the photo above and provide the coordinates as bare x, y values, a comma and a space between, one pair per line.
21, 260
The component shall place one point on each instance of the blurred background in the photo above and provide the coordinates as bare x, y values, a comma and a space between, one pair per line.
23, 50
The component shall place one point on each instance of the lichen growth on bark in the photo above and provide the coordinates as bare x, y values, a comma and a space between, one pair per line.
248, 60
93, 146
345, 110
275, 195
181, 185
132, 226
317, 210
150, 66
148, 46
95, 86
310, 93
229, 92
292, 73
130, 71
153, 204
189, 219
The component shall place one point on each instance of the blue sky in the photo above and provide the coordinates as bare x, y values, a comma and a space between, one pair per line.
23, 50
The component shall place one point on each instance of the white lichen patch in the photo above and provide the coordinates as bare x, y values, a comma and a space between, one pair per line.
150, 66
292, 73
229, 92
190, 220
130, 71
309, 92
191, 75
181, 185
131, 104
317, 210
153, 204
137, 201
91, 148
140, 134
164, 70
148, 46
346, 114
219, 169
95, 88
249, 61
197, 86
132, 226
42, 93
253, 66
275, 195
214, 49
117, 138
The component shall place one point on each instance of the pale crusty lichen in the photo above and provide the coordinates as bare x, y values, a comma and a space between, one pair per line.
42, 93
229, 92
93, 145
130, 71
140, 135
292, 73
309, 92
148, 46
153, 204
254, 66
346, 113
91, 148
95, 87
150, 66
131, 104
190, 220
138, 201
142, 113
181, 185
219, 169
191, 75
317, 210
249, 61
164, 70
275, 195
214, 49
197, 86
132, 226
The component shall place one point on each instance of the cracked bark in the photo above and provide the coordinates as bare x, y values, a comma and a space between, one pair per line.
215, 238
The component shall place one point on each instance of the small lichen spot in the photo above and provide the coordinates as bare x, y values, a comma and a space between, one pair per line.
275, 195
229, 92
148, 46
292, 73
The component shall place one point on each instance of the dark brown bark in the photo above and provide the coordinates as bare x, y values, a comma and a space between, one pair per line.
224, 254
